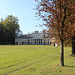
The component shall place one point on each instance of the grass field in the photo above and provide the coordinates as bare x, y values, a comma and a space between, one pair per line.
35, 60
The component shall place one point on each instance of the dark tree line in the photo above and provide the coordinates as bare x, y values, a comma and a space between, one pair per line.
8, 30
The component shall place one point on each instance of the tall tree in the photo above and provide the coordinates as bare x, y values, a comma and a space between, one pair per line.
59, 17
11, 26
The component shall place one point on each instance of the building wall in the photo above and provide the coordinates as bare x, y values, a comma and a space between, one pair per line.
36, 38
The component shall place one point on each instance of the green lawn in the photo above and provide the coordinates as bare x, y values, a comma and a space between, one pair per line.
35, 60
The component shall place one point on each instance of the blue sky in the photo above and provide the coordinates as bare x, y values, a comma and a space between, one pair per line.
23, 9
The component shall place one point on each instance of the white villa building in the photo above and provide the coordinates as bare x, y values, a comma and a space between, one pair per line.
36, 38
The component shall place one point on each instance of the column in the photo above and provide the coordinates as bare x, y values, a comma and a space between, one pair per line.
38, 41
41, 41
18, 42
21, 42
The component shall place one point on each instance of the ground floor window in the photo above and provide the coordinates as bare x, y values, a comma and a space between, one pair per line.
22, 43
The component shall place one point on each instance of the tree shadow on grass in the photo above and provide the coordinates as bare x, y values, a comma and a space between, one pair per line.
73, 55
69, 66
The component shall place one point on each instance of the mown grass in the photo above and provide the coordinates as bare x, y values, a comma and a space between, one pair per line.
35, 60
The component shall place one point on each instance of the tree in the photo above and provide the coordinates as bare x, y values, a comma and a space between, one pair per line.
11, 26
73, 45
2, 32
59, 17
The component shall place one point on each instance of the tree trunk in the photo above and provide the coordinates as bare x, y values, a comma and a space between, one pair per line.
62, 54
73, 45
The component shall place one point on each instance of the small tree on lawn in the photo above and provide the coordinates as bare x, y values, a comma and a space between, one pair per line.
59, 17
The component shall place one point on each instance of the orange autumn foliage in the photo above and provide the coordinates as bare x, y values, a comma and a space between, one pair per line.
59, 15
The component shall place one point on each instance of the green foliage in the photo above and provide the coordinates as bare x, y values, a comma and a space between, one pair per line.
35, 60
8, 28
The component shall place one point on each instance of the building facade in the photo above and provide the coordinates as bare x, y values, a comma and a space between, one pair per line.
36, 38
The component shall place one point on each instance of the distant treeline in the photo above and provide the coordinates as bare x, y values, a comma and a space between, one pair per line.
8, 30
